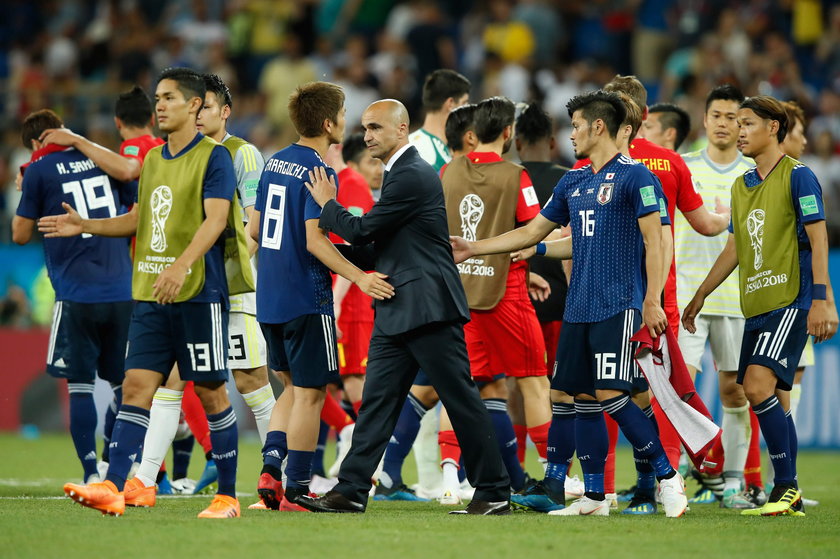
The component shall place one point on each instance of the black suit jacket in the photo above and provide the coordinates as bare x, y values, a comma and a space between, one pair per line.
410, 236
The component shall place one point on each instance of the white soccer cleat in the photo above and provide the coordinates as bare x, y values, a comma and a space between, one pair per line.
672, 494
183, 486
102, 469
584, 507
345, 439
93, 478
450, 498
574, 487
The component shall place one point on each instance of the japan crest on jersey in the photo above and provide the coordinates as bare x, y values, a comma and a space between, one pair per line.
605, 192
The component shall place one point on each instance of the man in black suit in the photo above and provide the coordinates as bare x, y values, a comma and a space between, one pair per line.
420, 326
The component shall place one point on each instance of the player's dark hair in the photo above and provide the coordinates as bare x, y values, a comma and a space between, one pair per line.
633, 118
631, 86
440, 85
672, 116
35, 124
190, 83
134, 108
602, 105
534, 124
214, 84
459, 122
725, 92
313, 103
353, 147
768, 108
492, 116
794, 112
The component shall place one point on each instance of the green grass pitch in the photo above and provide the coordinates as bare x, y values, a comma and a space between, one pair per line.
37, 521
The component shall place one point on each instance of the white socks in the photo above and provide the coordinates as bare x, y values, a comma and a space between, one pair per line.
736, 444
261, 402
451, 482
163, 424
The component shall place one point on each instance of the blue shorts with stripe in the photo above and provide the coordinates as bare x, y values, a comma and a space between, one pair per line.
777, 344
88, 339
598, 356
193, 335
305, 347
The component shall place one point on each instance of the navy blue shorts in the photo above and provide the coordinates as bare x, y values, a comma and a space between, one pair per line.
88, 339
306, 348
193, 335
598, 356
777, 345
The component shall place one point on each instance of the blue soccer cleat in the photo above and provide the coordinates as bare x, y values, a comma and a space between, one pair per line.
641, 506
208, 476
536, 498
164, 487
397, 493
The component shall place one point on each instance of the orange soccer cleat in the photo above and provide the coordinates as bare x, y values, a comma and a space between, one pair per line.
138, 495
103, 497
223, 506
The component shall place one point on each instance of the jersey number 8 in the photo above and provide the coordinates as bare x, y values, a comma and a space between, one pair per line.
272, 226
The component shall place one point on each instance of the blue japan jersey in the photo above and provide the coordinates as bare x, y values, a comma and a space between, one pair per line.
86, 268
603, 208
292, 281
806, 194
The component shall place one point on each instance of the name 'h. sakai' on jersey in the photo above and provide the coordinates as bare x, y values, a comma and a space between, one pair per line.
603, 209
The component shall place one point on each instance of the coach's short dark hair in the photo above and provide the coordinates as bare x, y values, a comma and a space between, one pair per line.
534, 124
214, 84
313, 103
353, 147
725, 92
672, 116
459, 122
631, 86
602, 105
492, 116
769, 108
190, 83
35, 124
440, 85
134, 108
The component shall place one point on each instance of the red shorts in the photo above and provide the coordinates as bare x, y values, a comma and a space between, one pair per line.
506, 339
353, 347
551, 335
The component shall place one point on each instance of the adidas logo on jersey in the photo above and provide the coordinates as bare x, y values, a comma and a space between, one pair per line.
783, 362
60, 363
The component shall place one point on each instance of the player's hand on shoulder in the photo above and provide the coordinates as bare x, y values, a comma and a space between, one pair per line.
461, 249
523, 254
321, 186
169, 282
822, 320
59, 136
63, 225
374, 285
654, 317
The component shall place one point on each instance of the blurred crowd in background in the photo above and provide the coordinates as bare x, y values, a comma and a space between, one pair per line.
75, 56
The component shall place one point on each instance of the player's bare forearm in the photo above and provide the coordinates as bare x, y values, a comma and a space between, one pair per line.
667, 252
250, 241
254, 227
818, 239
559, 248
22, 228
124, 225
121, 168
822, 317
651, 228
725, 264
521, 237
707, 223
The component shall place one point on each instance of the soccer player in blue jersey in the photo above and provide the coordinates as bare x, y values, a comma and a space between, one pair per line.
778, 241
179, 285
91, 276
294, 295
617, 279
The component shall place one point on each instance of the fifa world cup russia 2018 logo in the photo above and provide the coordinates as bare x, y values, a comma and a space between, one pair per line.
472, 210
161, 206
755, 227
